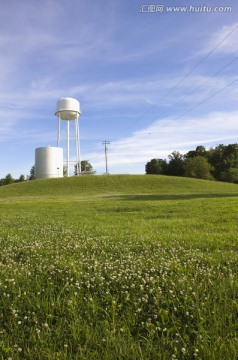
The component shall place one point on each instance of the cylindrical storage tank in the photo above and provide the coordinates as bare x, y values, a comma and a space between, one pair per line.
67, 109
48, 162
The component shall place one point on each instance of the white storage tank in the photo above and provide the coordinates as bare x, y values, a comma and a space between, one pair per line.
48, 162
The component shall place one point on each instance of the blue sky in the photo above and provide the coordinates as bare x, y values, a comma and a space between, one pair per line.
144, 80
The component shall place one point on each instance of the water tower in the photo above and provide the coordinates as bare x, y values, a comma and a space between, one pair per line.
68, 109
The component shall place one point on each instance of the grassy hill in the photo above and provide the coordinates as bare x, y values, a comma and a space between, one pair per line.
116, 184
122, 267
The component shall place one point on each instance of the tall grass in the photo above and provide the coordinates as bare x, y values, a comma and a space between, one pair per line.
118, 267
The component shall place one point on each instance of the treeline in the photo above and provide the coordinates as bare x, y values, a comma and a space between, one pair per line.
219, 163
10, 180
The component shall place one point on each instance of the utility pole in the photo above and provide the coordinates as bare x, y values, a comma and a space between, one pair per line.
105, 143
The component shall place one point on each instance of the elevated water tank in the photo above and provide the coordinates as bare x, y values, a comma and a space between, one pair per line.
48, 162
67, 109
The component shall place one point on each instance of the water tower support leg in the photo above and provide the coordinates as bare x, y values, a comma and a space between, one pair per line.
68, 148
58, 139
78, 162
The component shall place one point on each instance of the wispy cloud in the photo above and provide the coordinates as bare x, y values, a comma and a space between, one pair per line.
164, 136
224, 40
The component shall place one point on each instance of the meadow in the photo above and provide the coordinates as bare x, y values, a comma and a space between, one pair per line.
120, 267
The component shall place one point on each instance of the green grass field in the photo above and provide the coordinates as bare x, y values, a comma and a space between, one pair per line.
119, 267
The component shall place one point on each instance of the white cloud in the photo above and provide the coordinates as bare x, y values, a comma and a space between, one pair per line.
164, 136
223, 41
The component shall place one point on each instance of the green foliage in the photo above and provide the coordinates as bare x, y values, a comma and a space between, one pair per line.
231, 175
32, 173
199, 151
198, 167
175, 165
156, 166
86, 168
21, 178
221, 162
223, 158
118, 267
7, 180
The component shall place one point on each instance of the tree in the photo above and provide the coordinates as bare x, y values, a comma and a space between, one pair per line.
86, 168
198, 167
230, 175
219, 163
21, 178
32, 173
8, 179
199, 151
64, 170
156, 166
175, 165
223, 158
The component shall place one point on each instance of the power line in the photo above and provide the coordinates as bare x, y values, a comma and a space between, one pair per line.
106, 142
200, 62
199, 86
206, 99
184, 77
202, 102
